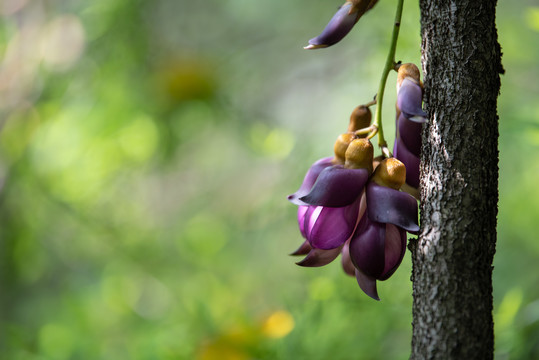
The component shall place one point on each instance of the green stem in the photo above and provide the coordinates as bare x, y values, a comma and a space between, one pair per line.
390, 65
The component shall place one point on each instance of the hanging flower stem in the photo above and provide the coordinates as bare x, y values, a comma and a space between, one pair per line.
390, 65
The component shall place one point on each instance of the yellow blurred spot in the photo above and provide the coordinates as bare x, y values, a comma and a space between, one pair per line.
278, 324
187, 79
221, 351
532, 17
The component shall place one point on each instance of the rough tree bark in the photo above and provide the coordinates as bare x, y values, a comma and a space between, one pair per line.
452, 259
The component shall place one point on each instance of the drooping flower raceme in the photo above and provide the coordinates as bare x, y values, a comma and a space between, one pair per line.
343, 209
410, 117
341, 23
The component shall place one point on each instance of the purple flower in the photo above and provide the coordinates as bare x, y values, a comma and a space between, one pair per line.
330, 203
410, 117
341, 23
379, 242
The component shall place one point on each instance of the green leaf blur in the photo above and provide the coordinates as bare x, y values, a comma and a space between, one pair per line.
146, 151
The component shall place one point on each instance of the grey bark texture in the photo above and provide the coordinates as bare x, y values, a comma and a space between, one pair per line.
452, 258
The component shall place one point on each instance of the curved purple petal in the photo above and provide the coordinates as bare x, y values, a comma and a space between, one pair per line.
319, 257
303, 249
410, 161
367, 284
410, 134
386, 205
328, 228
395, 248
346, 261
367, 247
309, 180
409, 98
340, 24
337, 186
302, 210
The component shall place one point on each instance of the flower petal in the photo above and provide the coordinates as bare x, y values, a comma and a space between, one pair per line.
367, 284
395, 248
303, 249
367, 247
328, 228
409, 134
302, 211
319, 257
309, 180
409, 98
337, 186
386, 205
346, 261
409, 160
340, 24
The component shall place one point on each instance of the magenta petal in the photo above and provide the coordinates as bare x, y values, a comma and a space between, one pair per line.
337, 186
386, 205
303, 249
367, 247
319, 257
310, 179
340, 24
410, 161
395, 248
367, 284
302, 211
409, 98
410, 134
346, 261
328, 228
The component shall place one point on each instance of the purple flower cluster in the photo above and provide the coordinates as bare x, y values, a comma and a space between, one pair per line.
410, 116
345, 207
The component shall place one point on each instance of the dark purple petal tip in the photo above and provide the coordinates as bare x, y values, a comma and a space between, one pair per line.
386, 205
304, 249
340, 24
367, 284
337, 186
309, 180
319, 257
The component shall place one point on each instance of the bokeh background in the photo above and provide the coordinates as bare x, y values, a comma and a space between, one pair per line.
146, 151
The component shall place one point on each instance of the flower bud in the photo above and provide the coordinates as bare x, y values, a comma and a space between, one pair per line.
390, 173
359, 119
341, 145
408, 71
359, 155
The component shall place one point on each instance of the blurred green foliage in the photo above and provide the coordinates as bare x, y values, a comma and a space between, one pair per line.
146, 151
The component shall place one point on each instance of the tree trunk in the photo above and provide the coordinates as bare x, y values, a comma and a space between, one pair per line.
452, 259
